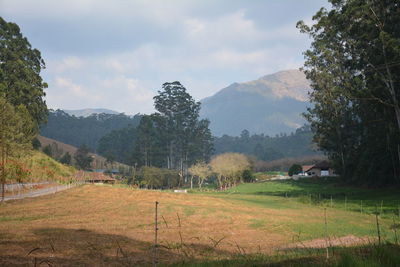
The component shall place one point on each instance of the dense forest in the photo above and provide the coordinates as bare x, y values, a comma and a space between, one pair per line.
121, 145
78, 131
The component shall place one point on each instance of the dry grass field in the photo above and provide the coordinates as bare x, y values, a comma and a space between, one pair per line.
113, 226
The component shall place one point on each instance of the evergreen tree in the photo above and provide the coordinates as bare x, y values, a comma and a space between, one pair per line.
83, 158
20, 66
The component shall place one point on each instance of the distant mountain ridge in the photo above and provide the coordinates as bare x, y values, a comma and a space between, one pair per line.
89, 111
271, 105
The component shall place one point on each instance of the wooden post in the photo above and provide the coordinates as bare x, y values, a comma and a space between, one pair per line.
326, 235
361, 207
155, 235
377, 225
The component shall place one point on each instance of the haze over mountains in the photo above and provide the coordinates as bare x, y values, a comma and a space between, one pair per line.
88, 111
272, 104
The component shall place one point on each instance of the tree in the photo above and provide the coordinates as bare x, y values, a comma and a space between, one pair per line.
82, 157
66, 159
295, 169
20, 66
353, 66
36, 143
174, 137
16, 134
48, 151
229, 168
153, 177
200, 170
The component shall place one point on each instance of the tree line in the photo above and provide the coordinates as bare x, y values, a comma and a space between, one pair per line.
354, 68
223, 171
268, 148
78, 131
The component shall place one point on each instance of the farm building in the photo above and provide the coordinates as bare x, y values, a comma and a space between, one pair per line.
99, 178
323, 168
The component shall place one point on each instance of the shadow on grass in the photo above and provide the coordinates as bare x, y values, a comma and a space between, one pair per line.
368, 255
328, 191
81, 247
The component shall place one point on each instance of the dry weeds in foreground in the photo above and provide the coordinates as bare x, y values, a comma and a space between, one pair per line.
105, 226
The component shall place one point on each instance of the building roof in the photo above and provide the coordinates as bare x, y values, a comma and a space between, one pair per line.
306, 168
99, 177
323, 165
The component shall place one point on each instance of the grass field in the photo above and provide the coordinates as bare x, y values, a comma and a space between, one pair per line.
249, 224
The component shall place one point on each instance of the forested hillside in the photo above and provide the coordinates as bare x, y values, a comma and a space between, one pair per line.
264, 147
79, 131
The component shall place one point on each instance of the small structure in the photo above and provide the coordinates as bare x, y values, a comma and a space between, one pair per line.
99, 178
323, 168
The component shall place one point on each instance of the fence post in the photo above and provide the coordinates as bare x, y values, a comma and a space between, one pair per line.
377, 224
326, 235
155, 235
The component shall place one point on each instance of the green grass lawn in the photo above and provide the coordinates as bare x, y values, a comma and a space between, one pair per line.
327, 192
350, 210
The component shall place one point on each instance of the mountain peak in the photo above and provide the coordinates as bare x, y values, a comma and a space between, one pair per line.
271, 105
287, 83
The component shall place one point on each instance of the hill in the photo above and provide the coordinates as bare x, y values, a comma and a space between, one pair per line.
35, 166
99, 162
79, 131
271, 105
89, 111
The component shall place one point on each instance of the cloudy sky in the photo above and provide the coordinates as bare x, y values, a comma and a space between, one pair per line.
116, 54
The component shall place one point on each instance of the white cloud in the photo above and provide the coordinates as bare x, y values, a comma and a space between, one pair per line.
205, 48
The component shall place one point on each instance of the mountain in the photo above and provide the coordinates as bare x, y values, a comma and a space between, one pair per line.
89, 111
271, 105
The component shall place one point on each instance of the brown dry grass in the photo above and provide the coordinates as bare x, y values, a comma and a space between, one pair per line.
101, 225
104, 225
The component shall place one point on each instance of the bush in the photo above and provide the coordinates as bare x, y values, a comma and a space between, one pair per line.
295, 169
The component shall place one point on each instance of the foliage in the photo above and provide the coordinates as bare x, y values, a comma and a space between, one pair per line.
153, 177
47, 150
202, 171
248, 176
267, 148
229, 168
82, 157
66, 159
118, 145
20, 66
295, 169
354, 72
17, 131
174, 137
88, 131
36, 143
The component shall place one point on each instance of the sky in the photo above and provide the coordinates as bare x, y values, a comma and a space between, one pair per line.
116, 54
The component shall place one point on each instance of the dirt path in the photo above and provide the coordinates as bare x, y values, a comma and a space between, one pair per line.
39, 192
